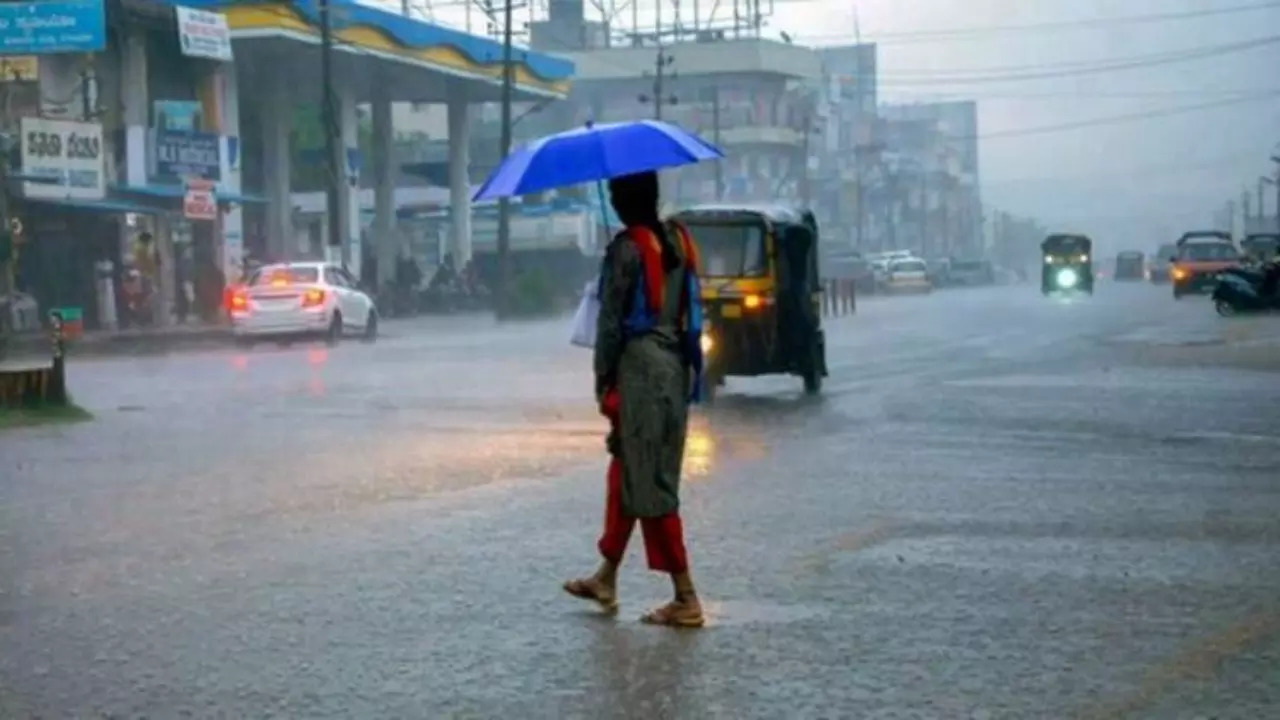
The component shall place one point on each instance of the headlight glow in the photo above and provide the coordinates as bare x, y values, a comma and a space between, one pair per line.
1048, 259
707, 343
1084, 258
1067, 278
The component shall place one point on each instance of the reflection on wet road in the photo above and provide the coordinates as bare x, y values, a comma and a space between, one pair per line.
1001, 506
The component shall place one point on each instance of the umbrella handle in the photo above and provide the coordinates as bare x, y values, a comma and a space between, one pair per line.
604, 213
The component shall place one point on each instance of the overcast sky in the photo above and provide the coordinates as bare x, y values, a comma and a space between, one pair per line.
1142, 179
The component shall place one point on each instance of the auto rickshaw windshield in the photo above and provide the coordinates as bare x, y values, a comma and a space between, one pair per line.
730, 250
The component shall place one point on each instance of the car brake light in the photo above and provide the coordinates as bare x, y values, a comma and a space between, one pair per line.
239, 301
751, 302
312, 298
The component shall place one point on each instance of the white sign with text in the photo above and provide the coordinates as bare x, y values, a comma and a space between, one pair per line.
204, 34
62, 159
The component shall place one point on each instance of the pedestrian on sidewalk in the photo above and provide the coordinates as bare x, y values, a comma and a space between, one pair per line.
643, 379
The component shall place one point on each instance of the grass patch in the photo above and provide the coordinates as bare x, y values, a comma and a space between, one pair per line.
43, 415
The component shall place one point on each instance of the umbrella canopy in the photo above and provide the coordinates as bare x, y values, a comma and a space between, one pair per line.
592, 153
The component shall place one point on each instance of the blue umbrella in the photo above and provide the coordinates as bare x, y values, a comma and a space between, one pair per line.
593, 153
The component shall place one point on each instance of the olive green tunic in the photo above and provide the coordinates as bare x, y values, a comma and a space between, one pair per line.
652, 380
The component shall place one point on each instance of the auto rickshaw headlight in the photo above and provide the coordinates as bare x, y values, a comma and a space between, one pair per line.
751, 302
1067, 278
707, 343
1084, 258
1048, 259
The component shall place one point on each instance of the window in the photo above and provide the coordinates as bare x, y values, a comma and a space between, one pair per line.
1210, 251
284, 275
334, 277
730, 250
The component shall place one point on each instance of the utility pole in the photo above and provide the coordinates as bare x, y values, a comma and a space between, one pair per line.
334, 160
661, 74
502, 297
1276, 159
715, 137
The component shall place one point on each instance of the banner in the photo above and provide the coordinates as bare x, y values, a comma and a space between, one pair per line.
52, 26
187, 154
62, 159
203, 34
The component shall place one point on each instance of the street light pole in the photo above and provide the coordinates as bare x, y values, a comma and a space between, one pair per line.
332, 135
503, 295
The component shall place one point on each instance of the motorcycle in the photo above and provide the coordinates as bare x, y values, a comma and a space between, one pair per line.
1240, 291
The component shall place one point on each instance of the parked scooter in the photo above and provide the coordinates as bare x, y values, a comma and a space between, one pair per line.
1242, 290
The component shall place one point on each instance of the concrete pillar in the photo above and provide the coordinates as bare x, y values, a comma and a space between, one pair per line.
384, 190
222, 115
135, 105
459, 178
349, 192
277, 109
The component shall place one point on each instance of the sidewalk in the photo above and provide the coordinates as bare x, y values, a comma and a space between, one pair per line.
130, 341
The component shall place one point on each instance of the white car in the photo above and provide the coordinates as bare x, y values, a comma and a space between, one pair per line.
304, 298
908, 275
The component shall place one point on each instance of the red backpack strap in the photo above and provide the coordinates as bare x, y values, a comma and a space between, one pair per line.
687, 244
650, 248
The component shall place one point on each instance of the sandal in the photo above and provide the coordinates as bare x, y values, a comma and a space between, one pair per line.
676, 614
593, 590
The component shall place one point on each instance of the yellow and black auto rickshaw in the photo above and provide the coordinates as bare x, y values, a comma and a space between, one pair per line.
761, 293
1068, 264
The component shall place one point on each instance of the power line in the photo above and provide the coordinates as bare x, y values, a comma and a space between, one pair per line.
957, 95
1231, 160
1013, 74
975, 32
1117, 119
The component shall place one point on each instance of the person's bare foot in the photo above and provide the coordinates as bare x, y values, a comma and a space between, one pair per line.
681, 613
595, 590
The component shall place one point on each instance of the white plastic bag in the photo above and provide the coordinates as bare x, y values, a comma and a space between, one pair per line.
584, 319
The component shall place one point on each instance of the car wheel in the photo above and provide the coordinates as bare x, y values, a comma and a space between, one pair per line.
1177, 295
1224, 308
371, 327
334, 333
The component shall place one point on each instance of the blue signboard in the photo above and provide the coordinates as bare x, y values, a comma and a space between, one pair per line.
52, 26
187, 155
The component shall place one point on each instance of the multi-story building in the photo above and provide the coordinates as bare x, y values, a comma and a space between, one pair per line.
932, 183
843, 156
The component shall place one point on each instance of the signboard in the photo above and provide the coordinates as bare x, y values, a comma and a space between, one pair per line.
65, 156
19, 68
52, 26
178, 115
204, 34
199, 202
188, 154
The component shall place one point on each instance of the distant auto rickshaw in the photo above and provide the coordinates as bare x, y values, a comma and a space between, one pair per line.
1261, 247
1068, 264
761, 293
1130, 265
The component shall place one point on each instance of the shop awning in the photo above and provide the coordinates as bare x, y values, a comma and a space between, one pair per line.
176, 192
106, 206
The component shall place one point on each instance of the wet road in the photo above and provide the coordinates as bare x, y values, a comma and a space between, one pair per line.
1001, 507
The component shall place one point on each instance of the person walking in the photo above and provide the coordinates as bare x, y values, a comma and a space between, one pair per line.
647, 361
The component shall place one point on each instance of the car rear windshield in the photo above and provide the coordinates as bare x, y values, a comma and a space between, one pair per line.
1209, 251
730, 250
909, 266
286, 275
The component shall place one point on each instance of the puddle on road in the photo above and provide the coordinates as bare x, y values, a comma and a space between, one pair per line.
757, 612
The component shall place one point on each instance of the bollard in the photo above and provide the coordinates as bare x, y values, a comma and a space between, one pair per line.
57, 390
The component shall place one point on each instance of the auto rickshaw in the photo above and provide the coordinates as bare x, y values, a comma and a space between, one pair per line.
1260, 247
761, 293
1068, 264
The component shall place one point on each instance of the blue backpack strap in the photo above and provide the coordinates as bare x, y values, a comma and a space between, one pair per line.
693, 333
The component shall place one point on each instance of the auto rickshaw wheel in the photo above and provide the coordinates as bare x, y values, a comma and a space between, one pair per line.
710, 384
813, 373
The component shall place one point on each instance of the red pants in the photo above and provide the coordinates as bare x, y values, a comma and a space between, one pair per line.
663, 536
